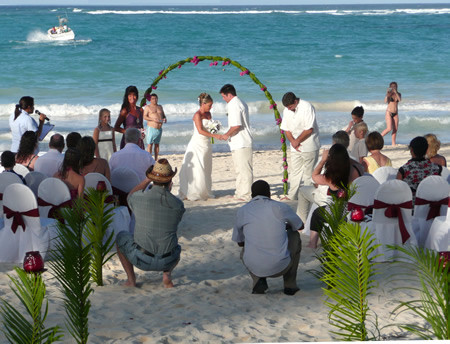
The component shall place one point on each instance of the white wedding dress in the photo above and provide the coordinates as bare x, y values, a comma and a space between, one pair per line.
195, 173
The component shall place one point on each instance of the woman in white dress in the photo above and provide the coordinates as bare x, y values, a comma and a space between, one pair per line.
195, 173
104, 136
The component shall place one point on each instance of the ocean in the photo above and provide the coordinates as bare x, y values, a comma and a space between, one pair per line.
335, 56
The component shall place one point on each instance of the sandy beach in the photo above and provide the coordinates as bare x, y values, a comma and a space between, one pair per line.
212, 300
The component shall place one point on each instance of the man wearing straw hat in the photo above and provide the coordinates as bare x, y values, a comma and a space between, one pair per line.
154, 246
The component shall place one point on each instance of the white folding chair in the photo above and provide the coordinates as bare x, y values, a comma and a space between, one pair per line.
52, 194
385, 173
121, 217
24, 230
124, 179
366, 187
391, 218
431, 202
6, 179
91, 180
33, 179
439, 235
21, 169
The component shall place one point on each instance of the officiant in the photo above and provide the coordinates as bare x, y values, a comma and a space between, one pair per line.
21, 121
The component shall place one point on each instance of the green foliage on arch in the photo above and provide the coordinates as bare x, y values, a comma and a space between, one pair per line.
244, 71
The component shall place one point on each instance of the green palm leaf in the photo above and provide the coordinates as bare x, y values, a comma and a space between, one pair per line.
432, 280
71, 266
30, 290
349, 274
99, 219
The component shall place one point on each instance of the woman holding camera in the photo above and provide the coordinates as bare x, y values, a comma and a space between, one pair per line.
392, 98
21, 121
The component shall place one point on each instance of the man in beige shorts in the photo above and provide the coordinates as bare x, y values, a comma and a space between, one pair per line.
155, 117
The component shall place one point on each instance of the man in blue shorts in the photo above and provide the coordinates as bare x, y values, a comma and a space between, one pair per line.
155, 117
154, 246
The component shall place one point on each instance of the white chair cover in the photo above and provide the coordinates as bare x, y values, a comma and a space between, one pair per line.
124, 179
13, 246
385, 229
385, 173
121, 218
366, 187
6, 179
446, 174
21, 169
432, 188
33, 179
54, 191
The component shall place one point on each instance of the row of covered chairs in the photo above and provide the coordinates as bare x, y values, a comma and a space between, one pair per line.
27, 223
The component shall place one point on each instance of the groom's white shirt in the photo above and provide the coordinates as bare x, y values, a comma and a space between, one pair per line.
238, 116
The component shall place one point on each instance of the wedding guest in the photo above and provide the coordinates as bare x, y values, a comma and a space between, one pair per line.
359, 150
418, 167
132, 156
28, 145
73, 139
376, 159
154, 245
267, 231
301, 129
433, 147
392, 98
8, 162
357, 117
104, 137
21, 121
337, 176
318, 194
69, 173
240, 140
130, 115
155, 117
88, 162
50, 162
195, 172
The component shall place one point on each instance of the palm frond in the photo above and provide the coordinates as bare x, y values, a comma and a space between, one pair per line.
99, 219
71, 266
349, 274
30, 290
433, 306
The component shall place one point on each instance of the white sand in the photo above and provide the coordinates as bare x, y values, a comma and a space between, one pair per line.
212, 300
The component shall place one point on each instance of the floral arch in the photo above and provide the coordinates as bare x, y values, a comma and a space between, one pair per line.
243, 72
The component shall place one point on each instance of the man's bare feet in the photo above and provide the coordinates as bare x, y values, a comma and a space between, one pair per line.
129, 283
167, 280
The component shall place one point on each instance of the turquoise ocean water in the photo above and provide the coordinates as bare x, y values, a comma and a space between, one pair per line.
337, 57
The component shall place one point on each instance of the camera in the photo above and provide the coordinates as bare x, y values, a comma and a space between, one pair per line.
389, 89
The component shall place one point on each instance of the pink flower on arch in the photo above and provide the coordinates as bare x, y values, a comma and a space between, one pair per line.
263, 88
179, 66
281, 132
161, 71
148, 97
278, 121
284, 158
285, 167
154, 87
195, 60
224, 63
272, 106
282, 140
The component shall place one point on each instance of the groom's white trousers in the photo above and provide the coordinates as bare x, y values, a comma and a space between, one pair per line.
243, 165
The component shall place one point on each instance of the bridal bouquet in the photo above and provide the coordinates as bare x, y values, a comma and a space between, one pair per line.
213, 126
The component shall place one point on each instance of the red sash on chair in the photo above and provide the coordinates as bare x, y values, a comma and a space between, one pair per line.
54, 207
17, 217
435, 206
395, 210
1, 196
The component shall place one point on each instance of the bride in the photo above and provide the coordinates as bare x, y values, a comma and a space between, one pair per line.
195, 173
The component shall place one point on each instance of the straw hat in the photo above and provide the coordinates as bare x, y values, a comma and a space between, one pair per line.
161, 172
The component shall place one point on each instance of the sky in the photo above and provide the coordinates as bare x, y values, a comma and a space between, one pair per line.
210, 2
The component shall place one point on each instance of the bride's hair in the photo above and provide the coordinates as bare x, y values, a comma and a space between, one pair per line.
204, 98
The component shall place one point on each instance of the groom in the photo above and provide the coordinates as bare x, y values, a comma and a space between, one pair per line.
240, 140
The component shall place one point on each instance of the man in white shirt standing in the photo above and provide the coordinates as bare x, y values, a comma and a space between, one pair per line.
240, 141
50, 162
132, 156
267, 231
300, 126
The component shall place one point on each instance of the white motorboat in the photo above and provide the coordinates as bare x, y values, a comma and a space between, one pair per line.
61, 32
